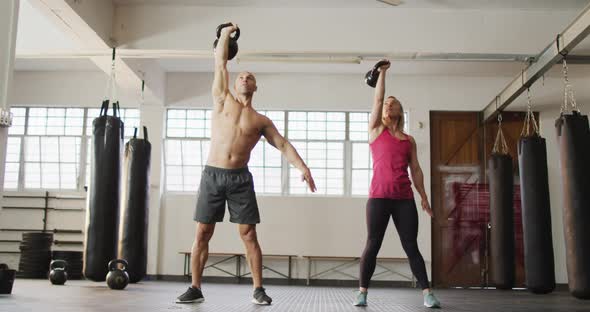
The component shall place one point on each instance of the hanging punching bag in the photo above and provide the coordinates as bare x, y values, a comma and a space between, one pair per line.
536, 215
134, 206
102, 214
502, 220
573, 137
501, 213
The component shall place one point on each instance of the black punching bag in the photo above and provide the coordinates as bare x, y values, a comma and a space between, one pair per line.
102, 215
536, 215
502, 220
134, 206
573, 137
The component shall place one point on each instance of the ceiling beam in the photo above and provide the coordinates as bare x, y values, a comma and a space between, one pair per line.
89, 24
551, 55
272, 55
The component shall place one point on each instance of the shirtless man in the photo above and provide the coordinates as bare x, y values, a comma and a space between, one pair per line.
236, 128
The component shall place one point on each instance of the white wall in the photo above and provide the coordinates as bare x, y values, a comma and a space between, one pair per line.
313, 216
339, 221
296, 225
64, 89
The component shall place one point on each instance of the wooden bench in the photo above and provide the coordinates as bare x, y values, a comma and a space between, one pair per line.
237, 257
349, 261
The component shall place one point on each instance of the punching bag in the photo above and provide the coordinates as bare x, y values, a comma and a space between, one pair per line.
501, 220
134, 206
573, 137
102, 213
536, 215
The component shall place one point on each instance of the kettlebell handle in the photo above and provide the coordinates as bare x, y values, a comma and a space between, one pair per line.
113, 264
222, 26
373, 74
379, 64
58, 264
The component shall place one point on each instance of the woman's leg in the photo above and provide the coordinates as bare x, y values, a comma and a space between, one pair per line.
405, 218
378, 214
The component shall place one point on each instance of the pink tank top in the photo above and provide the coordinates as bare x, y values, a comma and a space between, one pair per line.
391, 157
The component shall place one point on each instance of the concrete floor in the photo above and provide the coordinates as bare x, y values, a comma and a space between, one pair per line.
40, 295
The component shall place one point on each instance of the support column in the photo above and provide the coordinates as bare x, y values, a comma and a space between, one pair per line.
8, 26
152, 117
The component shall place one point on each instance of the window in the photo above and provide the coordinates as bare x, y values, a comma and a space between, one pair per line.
187, 147
12, 162
130, 117
188, 123
52, 162
13, 148
319, 139
266, 161
52, 148
188, 132
44, 146
323, 139
19, 116
185, 160
55, 121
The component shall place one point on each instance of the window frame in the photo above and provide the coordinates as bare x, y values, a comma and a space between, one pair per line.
84, 147
285, 166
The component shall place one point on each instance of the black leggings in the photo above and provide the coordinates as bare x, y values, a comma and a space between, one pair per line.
405, 218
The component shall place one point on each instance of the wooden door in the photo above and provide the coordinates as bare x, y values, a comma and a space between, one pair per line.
460, 146
456, 161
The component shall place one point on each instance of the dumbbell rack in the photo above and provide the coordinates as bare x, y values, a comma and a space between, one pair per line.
43, 203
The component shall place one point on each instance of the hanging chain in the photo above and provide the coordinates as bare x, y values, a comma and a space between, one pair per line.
568, 91
500, 145
143, 91
110, 92
529, 118
114, 81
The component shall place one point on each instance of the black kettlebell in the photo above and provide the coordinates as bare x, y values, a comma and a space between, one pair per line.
232, 46
58, 274
373, 75
6, 279
117, 278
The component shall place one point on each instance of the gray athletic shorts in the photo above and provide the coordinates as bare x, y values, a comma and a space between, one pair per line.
235, 186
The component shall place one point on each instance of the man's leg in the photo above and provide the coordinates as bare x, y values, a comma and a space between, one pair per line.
199, 255
200, 251
254, 257
243, 209
253, 252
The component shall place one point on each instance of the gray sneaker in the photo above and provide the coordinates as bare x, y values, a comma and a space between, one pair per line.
430, 301
361, 299
260, 297
191, 295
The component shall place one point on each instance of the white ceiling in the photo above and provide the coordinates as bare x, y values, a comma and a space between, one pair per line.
426, 4
37, 33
